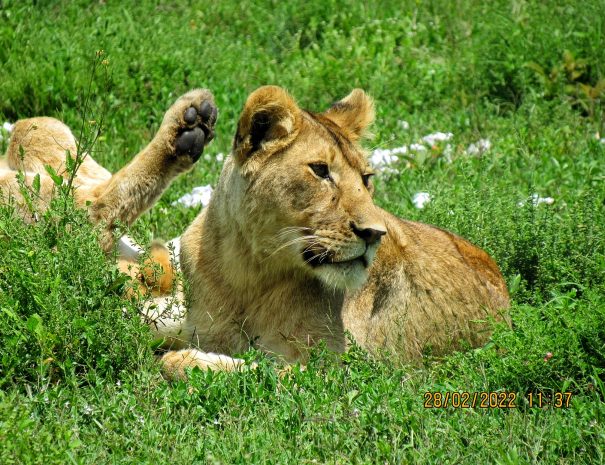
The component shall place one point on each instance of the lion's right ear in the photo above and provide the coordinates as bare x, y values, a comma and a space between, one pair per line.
270, 120
353, 114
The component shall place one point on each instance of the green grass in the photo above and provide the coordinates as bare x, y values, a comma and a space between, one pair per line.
78, 381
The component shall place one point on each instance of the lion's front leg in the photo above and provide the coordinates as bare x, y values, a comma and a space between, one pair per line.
187, 128
175, 362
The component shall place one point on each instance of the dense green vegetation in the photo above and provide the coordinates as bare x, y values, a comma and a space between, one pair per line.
78, 381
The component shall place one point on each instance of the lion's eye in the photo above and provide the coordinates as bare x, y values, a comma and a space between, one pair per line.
321, 170
366, 178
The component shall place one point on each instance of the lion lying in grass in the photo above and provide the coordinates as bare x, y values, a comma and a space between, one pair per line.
291, 249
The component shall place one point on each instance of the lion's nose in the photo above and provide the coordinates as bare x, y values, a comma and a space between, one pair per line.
370, 235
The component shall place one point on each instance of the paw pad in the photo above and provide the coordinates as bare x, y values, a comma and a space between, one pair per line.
199, 130
191, 142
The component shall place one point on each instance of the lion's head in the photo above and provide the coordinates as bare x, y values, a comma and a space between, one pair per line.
298, 187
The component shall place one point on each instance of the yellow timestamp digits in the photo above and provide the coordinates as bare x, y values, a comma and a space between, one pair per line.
555, 400
500, 399
483, 399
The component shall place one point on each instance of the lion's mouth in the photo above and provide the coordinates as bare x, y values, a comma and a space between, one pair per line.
315, 259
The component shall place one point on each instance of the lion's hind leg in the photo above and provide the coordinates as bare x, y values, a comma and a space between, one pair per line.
36, 142
41, 141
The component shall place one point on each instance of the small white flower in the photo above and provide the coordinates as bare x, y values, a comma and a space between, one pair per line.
546, 200
602, 141
386, 157
8, 127
207, 157
220, 157
198, 196
403, 124
479, 147
403, 149
432, 139
537, 200
418, 148
118, 383
87, 410
420, 199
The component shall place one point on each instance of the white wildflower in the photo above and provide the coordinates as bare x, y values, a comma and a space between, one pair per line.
432, 139
207, 157
602, 141
220, 157
418, 148
403, 124
8, 127
87, 410
420, 199
385, 157
479, 148
198, 196
537, 200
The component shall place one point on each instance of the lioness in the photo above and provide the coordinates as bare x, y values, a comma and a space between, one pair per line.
292, 251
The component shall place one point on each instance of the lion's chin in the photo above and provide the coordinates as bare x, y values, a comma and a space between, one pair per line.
345, 276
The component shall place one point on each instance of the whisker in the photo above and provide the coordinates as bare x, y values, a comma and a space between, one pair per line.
290, 229
320, 255
383, 144
292, 242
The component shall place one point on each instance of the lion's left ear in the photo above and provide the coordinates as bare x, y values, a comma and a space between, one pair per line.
353, 114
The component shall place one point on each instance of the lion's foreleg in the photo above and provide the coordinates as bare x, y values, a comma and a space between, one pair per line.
175, 362
187, 127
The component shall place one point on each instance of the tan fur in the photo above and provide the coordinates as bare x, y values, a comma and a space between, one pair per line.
155, 276
123, 197
425, 291
291, 249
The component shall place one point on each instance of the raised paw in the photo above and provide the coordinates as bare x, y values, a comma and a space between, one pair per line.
190, 123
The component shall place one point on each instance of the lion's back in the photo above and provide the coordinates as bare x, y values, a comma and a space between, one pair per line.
428, 289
